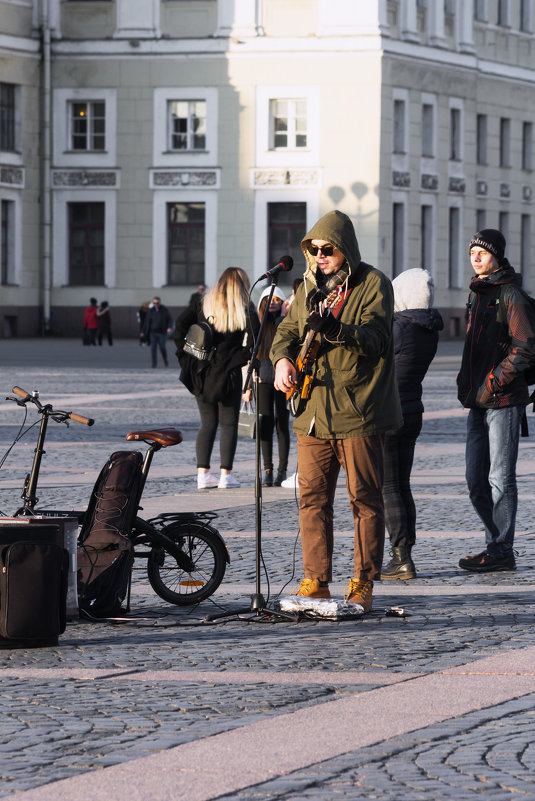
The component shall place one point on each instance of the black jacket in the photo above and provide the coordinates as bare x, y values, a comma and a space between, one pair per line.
499, 344
220, 378
415, 345
157, 321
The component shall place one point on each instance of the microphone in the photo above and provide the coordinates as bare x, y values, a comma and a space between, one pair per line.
284, 266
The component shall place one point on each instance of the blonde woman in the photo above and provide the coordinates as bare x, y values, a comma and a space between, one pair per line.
217, 383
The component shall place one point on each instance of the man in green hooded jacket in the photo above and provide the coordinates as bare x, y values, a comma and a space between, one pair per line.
347, 305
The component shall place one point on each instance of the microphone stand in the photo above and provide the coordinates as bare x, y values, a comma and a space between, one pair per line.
258, 603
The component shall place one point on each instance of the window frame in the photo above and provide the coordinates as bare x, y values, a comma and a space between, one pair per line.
162, 155
265, 155
292, 132
91, 118
13, 146
527, 145
62, 154
191, 225
505, 142
189, 133
482, 139
87, 227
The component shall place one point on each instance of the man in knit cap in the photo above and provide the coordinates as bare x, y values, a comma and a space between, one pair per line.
499, 347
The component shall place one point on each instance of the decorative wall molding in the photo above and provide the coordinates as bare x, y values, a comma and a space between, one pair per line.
401, 180
527, 193
11, 176
457, 185
185, 179
505, 191
482, 188
271, 178
429, 182
85, 179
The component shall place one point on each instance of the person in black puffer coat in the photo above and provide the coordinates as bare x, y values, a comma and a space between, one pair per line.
416, 327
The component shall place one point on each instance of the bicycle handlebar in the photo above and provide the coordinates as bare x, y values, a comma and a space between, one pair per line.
78, 418
87, 421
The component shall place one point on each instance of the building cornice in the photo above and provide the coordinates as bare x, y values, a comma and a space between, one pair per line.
19, 45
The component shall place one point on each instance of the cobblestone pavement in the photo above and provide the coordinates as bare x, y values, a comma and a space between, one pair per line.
164, 705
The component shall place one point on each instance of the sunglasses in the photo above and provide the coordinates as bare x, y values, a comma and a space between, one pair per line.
326, 250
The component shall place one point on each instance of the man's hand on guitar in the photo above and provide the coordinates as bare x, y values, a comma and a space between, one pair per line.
285, 375
325, 324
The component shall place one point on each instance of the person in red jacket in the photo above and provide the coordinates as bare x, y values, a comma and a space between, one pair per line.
91, 323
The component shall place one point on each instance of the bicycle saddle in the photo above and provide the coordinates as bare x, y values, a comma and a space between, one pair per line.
162, 436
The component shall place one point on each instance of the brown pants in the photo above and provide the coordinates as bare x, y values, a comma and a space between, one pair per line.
319, 462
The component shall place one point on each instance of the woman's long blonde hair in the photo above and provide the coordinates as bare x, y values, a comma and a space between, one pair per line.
226, 303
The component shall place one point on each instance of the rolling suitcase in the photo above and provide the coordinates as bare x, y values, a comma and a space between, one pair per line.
33, 586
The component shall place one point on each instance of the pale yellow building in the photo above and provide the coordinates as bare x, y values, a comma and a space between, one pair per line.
145, 145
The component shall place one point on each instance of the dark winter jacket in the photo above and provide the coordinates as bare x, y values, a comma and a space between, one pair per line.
354, 391
499, 344
157, 321
220, 378
415, 345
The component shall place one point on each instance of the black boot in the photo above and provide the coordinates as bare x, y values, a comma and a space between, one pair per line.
281, 476
268, 477
401, 565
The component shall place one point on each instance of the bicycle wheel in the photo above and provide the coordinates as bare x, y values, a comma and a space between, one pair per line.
208, 559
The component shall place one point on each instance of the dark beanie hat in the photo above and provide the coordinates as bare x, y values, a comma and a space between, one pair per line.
490, 240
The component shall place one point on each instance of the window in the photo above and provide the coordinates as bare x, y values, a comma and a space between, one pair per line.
7, 243
481, 138
454, 234
428, 114
287, 225
185, 243
288, 123
525, 249
8, 117
87, 125
503, 223
480, 10
398, 145
481, 219
426, 237
527, 146
525, 16
503, 13
398, 238
505, 142
455, 134
449, 7
187, 124
86, 244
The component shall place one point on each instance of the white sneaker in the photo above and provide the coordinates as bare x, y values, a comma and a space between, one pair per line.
228, 481
290, 482
206, 481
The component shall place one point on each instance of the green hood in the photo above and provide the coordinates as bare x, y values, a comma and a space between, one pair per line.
334, 227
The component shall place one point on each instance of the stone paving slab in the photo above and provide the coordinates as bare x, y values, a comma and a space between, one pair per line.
435, 705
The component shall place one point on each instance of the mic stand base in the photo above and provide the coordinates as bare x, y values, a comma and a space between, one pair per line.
258, 606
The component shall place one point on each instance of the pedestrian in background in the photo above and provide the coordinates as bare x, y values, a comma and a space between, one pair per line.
104, 323
141, 315
274, 413
91, 323
416, 327
156, 328
499, 347
216, 383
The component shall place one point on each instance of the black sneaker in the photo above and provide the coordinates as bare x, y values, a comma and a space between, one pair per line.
487, 563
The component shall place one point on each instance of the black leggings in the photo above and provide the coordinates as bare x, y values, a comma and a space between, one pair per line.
272, 407
225, 414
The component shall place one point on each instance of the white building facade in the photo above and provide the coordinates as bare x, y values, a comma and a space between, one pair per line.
146, 145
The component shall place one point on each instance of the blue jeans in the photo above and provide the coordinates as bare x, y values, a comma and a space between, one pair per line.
491, 452
158, 341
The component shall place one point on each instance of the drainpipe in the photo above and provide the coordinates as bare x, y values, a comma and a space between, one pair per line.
46, 191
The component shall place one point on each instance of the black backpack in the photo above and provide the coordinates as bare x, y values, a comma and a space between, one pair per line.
105, 553
199, 341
